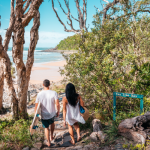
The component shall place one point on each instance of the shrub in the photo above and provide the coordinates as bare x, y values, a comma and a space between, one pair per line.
15, 135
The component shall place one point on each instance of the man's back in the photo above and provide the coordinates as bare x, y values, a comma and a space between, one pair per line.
47, 99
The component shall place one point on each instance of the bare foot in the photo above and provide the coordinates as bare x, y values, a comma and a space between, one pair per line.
52, 138
73, 143
48, 144
79, 139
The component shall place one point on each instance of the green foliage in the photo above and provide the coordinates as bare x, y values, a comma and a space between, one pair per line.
114, 57
111, 131
15, 135
70, 43
136, 147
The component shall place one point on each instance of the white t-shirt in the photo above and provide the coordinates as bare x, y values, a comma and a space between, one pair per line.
47, 99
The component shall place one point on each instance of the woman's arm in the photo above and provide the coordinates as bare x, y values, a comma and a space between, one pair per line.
64, 110
81, 101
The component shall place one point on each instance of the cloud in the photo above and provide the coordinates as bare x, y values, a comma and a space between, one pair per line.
46, 39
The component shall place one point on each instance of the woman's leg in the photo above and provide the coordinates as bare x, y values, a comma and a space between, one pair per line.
71, 134
76, 126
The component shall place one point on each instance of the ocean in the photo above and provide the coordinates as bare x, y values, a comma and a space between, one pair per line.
39, 57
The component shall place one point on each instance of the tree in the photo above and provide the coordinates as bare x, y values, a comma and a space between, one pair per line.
114, 57
18, 21
5, 45
82, 16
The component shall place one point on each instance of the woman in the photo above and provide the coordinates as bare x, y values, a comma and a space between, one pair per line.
71, 111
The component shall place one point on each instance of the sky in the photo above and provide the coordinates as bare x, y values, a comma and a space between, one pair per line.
51, 31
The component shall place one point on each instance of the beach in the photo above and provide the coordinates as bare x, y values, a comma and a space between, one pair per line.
50, 71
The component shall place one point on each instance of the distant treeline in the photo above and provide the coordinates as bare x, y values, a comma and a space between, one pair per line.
69, 43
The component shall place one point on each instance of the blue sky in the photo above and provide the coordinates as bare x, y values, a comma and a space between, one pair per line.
51, 32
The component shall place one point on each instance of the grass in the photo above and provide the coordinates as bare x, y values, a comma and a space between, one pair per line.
15, 135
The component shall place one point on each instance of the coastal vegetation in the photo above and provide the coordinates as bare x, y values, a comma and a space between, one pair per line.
114, 58
69, 43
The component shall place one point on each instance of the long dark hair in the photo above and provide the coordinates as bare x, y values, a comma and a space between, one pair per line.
71, 94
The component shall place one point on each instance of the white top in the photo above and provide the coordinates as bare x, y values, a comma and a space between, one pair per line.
73, 114
47, 99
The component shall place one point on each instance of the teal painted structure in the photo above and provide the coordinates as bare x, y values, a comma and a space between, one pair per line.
126, 95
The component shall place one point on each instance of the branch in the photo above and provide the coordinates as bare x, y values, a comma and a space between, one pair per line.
107, 8
26, 6
33, 42
74, 18
97, 8
7, 74
68, 16
80, 15
76, 31
10, 28
34, 6
85, 12
61, 7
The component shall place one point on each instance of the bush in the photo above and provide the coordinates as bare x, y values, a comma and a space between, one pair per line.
70, 43
15, 135
112, 59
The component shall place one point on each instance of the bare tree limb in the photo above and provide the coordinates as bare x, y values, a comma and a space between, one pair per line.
33, 41
76, 31
61, 7
5, 62
107, 8
10, 28
82, 17
74, 18
85, 13
26, 6
34, 6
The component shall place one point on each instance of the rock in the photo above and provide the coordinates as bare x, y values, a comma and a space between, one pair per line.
34, 149
97, 126
136, 128
26, 148
38, 145
94, 136
101, 136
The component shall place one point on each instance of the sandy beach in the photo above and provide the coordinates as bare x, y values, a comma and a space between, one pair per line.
46, 71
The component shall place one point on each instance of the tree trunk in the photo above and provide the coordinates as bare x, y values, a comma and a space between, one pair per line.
1, 86
6, 64
23, 72
18, 21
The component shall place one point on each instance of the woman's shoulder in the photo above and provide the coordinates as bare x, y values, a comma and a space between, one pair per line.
64, 99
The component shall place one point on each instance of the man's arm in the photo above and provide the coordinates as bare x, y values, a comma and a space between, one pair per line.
57, 106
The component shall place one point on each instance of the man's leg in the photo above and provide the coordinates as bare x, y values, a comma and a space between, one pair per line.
77, 128
47, 136
71, 134
52, 130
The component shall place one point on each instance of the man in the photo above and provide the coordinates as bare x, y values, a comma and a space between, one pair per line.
48, 100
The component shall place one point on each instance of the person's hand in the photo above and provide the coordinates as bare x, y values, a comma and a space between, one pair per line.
64, 123
57, 114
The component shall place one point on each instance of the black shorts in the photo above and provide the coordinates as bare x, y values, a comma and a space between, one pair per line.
48, 122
